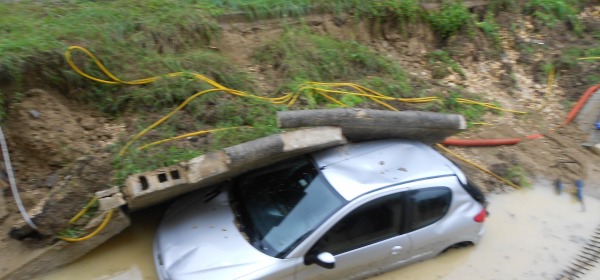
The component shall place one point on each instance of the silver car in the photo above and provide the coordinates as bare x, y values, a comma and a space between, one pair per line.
342, 213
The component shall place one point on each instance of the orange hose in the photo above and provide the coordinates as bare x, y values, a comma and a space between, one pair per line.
486, 142
582, 100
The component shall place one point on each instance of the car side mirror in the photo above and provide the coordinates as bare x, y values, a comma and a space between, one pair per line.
325, 260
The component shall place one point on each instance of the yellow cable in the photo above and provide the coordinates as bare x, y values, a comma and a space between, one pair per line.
333, 99
157, 123
487, 105
190, 135
83, 210
481, 123
589, 58
94, 233
478, 166
290, 99
548, 88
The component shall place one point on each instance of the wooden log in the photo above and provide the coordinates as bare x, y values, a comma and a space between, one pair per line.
367, 124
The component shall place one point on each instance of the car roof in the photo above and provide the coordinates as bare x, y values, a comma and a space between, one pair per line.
358, 168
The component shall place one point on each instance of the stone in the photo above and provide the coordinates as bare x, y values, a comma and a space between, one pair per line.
51, 180
107, 192
88, 123
3, 210
111, 202
35, 114
596, 149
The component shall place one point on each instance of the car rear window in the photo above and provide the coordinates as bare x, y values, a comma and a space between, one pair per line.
427, 206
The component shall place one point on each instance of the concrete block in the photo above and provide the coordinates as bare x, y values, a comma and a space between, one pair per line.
147, 189
110, 202
107, 192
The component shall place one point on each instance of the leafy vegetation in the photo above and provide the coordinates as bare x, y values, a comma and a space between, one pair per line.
449, 19
517, 175
496, 6
550, 12
491, 29
472, 113
71, 232
443, 60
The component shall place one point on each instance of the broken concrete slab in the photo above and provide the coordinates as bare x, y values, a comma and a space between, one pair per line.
110, 202
61, 253
151, 188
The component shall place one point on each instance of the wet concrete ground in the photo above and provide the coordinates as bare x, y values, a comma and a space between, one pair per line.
531, 234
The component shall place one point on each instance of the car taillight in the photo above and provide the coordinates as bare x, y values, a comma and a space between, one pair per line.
479, 218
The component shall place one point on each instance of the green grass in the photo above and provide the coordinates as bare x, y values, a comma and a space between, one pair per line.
443, 59
472, 113
449, 19
71, 232
550, 12
491, 29
137, 39
517, 175
299, 55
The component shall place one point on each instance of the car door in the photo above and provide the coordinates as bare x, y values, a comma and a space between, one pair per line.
424, 208
361, 242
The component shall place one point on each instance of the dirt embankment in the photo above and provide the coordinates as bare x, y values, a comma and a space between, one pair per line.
60, 147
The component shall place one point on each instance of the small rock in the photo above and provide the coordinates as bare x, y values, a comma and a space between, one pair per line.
29, 199
339, 21
315, 22
3, 211
35, 92
107, 203
107, 192
88, 124
35, 114
51, 180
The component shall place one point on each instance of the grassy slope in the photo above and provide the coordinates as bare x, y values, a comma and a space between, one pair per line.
137, 39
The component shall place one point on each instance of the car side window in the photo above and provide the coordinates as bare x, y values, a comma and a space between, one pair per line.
373, 222
427, 206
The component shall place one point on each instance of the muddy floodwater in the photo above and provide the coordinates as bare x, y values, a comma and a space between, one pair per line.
531, 234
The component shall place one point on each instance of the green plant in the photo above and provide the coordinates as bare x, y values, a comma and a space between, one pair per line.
91, 211
517, 175
71, 232
472, 113
449, 19
496, 6
490, 29
405, 10
551, 12
258, 115
442, 57
299, 55
352, 100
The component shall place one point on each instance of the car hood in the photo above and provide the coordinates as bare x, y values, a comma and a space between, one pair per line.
198, 238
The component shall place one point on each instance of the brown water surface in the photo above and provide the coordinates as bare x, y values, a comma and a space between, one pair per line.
531, 234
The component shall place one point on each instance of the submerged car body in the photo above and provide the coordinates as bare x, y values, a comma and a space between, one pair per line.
345, 212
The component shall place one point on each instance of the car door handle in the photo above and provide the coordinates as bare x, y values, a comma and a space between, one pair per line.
396, 250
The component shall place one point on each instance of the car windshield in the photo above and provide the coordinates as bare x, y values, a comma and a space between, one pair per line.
281, 205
